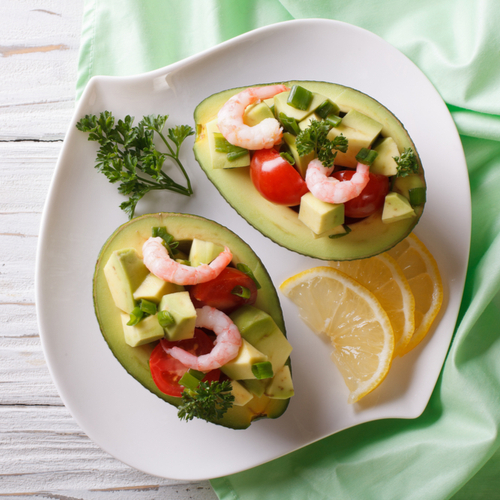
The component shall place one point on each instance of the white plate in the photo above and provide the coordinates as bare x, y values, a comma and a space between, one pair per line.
82, 210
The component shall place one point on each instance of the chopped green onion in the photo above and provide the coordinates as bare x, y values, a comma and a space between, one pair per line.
299, 97
245, 269
168, 239
333, 120
165, 319
366, 156
191, 379
347, 231
289, 124
262, 370
148, 307
288, 157
222, 145
135, 316
417, 196
241, 291
326, 108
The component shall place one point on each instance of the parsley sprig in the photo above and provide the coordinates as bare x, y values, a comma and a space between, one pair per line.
406, 163
126, 151
209, 401
314, 138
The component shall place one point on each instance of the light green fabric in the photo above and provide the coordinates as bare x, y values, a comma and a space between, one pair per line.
456, 43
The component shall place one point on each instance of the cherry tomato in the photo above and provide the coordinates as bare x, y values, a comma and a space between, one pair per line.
218, 292
371, 198
167, 371
275, 179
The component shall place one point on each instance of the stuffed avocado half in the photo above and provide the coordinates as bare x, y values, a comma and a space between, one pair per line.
259, 375
320, 230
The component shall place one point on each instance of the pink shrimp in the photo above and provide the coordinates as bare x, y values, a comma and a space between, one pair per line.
157, 260
265, 134
332, 190
226, 345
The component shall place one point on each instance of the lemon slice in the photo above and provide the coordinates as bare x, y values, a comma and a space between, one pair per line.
423, 276
332, 303
385, 279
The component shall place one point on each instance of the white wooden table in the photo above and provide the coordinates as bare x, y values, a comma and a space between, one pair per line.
43, 453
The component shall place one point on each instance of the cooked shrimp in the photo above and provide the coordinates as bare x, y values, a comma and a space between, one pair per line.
332, 190
265, 134
226, 345
157, 260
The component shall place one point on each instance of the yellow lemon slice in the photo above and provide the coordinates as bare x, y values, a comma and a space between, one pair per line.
332, 303
423, 276
385, 279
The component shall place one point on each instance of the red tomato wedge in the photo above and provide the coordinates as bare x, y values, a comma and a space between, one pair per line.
167, 371
219, 292
371, 198
275, 179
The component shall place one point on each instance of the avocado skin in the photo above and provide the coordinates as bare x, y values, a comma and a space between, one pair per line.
135, 360
368, 237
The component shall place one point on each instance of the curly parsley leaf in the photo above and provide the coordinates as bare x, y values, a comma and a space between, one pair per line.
127, 151
209, 401
314, 138
406, 163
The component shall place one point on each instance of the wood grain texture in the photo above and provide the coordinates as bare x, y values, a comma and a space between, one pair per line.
44, 454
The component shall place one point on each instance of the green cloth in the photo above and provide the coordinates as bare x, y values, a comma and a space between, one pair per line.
456, 43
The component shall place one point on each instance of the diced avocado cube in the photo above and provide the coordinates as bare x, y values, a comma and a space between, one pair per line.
220, 160
256, 387
318, 215
260, 330
255, 113
281, 105
203, 252
241, 395
281, 386
154, 288
360, 131
146, 331
385, 164
124, 272
403, 185
181, 308
240, 368
306, 122
396, 208
301, 162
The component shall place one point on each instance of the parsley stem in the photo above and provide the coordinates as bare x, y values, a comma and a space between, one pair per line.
175, 157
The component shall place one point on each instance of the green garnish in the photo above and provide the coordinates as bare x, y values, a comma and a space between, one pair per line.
135, 316
126, 151
366, 156
417, 196
334, 120
327, 108
148, 307
289, 124
222, 145
288, 157
314, 138
299, 97
241, 291
168, 239
191, 379
209, 401
406, 163
245, 269
165, 319
262, 370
